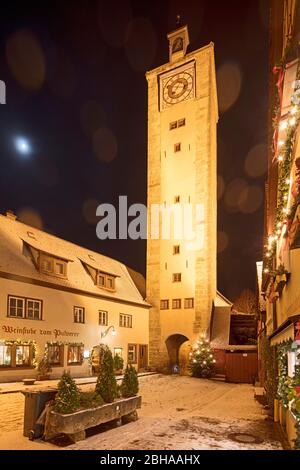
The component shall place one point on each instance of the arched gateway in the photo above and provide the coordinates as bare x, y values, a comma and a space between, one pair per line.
174, 343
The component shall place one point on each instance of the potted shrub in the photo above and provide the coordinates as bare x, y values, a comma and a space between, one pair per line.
43, 369
118, 364
130, 383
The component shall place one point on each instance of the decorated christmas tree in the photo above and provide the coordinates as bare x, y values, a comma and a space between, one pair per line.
67, 399
130, 383
106, 385
202, 362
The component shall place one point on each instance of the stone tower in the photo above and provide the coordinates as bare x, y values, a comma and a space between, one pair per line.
182, 170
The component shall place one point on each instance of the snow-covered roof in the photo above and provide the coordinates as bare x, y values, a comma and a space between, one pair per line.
15, 259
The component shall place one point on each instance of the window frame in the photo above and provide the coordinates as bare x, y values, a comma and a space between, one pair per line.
176, 277
78, 307
134, 345
25, 307
106, 278
105, 312
176, 249
40, 302
176, 301
162, 302
61, 354
181, 122
13, 362
53, 261
177, 147
16, 297
173, 125
125, 324
187, 302
80, 349
10, 347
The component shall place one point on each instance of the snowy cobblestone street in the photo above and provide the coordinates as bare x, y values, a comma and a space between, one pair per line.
177, 413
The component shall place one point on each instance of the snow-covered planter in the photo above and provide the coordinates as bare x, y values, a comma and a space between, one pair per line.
75, 424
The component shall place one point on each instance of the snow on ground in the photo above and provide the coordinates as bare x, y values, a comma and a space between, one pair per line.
177, 413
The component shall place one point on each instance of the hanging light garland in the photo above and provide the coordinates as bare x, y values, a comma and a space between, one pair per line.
284, 158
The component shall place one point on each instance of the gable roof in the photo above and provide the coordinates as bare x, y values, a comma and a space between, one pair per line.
15, 259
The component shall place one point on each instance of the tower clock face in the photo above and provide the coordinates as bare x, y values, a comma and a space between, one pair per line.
178, 87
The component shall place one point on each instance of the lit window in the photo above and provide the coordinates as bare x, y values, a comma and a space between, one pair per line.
176, 249
176, 303
164, 304
177, 277
125, 320
75, 354
55, 354
16, 307
189, 302
177, 147
181, 122
103, 317
132, 355
23, 355
173, 125
118, 352
78, 315
5, 355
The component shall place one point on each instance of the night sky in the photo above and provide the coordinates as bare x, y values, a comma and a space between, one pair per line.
76, 89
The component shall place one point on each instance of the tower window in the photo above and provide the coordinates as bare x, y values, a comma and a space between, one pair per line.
177, 147
181, 122
173, 125
176, 303
177, 199
189, 302
176, 249
164, 304
177, 277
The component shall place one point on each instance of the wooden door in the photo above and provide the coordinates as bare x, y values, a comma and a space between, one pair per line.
241, 367
143, 356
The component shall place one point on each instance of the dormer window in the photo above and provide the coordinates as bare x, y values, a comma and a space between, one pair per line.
53, 266
105, 280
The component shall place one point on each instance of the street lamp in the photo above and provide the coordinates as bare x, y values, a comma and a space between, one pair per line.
113, 332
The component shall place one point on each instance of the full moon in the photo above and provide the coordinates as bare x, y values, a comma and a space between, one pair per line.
22, 145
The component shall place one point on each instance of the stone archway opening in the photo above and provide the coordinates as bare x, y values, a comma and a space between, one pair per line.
174, 343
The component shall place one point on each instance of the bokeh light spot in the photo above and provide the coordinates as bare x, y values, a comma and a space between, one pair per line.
104, 144
89, 211
250, 199
223, 241
26, 60
22, 145
113, 22
229, 82
141, 44
233, 194
92, 117
31, 217
220, 186
256, 161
